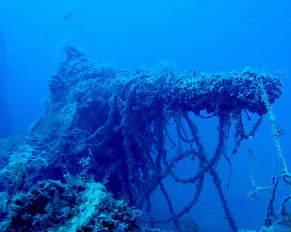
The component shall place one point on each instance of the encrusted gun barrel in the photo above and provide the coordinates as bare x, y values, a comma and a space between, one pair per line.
223, 92
218, 93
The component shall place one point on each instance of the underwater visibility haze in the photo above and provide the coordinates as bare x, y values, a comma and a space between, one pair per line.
145, 115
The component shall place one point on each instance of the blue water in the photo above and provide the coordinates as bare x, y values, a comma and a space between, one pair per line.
210, 36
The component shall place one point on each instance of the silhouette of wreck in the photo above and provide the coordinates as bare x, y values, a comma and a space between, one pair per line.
105, 130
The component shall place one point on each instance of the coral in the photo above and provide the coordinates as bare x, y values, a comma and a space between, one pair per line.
24, 161
53, 206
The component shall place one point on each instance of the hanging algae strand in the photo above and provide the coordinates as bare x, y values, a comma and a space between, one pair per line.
275, 129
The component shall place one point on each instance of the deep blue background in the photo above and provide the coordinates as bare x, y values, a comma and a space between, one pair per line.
209, 35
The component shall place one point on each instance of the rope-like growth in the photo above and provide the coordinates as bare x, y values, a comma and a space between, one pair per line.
275, 129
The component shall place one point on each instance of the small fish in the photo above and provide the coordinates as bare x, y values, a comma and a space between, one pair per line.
68, 16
